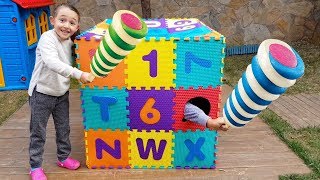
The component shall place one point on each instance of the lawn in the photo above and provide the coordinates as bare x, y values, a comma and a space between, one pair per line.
10, 102
304, 142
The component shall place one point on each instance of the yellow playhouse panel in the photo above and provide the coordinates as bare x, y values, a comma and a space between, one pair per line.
2, 84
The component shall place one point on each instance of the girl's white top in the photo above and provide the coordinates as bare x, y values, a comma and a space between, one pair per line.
53, 65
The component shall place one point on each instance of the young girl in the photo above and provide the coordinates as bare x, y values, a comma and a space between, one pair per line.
49, 89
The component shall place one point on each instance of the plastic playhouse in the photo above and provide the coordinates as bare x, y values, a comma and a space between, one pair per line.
22, 22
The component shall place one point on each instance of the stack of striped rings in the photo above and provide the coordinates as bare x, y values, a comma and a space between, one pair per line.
275, 68
124, 33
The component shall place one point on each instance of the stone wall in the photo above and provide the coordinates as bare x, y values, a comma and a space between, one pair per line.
240, 21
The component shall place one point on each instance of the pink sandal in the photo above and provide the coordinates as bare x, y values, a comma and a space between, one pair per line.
69, 163
38, 174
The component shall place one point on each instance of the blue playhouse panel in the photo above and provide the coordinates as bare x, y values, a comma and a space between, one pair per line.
31, 50
11, 50
16, 56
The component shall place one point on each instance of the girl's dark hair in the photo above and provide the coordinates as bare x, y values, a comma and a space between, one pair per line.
72, 8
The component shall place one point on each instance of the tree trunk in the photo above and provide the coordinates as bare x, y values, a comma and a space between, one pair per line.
146, 10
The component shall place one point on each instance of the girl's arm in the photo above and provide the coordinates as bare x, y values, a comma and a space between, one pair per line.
49, 54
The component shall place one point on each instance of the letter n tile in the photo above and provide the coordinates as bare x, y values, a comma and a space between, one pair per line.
107, 149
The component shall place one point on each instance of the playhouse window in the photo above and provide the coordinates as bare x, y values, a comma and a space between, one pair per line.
43, 22
31, 30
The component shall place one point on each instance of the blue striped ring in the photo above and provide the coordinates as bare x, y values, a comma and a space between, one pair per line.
235, 112
230, 119
243, 104
252, 95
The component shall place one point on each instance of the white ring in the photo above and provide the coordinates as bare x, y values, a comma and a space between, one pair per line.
239, 108
116, 24
98, 69
113, 46
107, 55
234, 117
104, 65
227, 120
93, 72
257, 88
247, 99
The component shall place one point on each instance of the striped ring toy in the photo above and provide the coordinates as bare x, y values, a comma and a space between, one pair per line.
275, 68
124, 33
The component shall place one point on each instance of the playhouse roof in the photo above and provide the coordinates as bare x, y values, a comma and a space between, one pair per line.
33, 3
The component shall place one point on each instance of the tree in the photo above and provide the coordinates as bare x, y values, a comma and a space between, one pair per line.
146, 10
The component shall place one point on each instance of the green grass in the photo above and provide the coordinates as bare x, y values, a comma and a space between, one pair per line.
309, 83
303, 142
234, 66
11, 101
74, 84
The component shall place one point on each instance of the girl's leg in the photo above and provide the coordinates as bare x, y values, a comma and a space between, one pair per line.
41, 106
61, 122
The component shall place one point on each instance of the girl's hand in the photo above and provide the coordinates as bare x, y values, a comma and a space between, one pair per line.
85, 78
217, 124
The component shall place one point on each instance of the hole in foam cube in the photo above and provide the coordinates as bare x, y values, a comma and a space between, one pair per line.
202, 103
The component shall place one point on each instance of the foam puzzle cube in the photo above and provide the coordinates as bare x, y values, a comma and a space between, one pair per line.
133, 117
